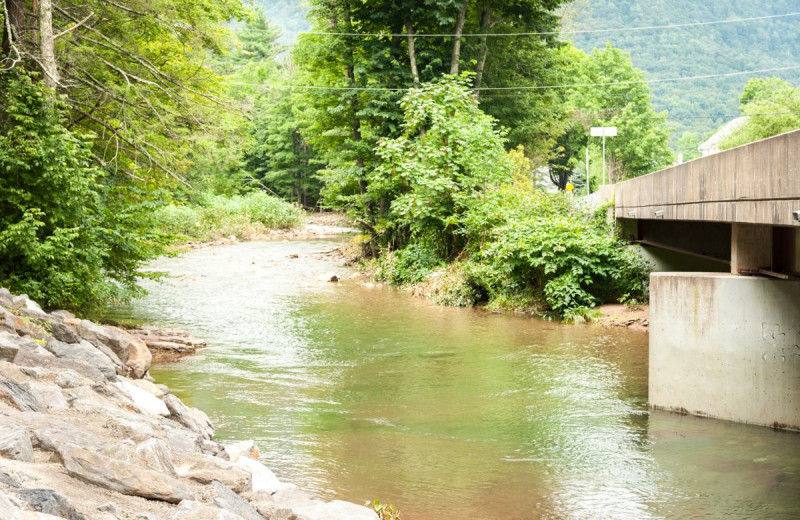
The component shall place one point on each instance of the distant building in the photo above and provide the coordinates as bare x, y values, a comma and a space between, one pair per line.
711, 146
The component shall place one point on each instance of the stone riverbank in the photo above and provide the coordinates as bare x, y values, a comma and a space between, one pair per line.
86, 434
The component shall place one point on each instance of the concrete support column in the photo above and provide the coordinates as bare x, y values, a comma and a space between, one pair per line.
726, 346
751, 247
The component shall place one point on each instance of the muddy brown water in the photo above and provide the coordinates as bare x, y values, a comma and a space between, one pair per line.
358, 393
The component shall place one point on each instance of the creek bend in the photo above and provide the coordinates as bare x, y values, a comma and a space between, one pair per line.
357, 393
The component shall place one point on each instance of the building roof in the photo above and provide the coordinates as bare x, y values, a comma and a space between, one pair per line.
712, 143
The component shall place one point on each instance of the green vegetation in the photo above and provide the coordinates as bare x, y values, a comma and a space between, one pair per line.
242, 216
512, 245
66, 237
160, 119
772, 106
698, 106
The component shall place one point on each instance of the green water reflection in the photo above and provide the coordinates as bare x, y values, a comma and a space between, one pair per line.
357, 393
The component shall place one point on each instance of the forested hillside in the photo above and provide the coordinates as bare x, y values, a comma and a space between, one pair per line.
699, 50
698, 106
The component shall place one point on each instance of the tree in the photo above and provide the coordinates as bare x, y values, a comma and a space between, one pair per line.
427, 181
688, 146
772, 106
65, 239
351, 110
135, 74
610, 91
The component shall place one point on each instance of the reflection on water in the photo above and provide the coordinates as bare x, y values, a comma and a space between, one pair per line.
357, 393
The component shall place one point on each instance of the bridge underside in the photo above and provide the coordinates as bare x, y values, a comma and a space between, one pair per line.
723, 344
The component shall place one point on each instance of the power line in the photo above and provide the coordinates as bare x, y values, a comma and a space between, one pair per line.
528, 87
597, 115
544, 33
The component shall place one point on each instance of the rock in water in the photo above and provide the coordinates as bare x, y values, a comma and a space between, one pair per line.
263, 478
15, 443
122, 477
50, 502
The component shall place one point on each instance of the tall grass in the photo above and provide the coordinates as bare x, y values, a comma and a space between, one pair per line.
242, 216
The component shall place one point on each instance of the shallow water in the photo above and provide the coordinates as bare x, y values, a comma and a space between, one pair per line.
357, 393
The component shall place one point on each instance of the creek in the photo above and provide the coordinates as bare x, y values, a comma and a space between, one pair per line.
358, 393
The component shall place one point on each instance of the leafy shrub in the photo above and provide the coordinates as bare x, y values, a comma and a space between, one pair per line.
70, 235
407, 266
543, 245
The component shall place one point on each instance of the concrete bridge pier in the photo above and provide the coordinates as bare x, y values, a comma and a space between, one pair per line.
726, 346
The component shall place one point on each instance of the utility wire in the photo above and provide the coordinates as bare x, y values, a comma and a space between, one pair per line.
523, 87
545, 33
598, 115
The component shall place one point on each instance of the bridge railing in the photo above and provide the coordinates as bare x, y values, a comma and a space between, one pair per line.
757, 183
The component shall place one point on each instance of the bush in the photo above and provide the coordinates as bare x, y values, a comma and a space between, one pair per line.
243, 216
70, 235
542, 245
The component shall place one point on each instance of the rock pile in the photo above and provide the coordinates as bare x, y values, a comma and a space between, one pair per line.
85, 434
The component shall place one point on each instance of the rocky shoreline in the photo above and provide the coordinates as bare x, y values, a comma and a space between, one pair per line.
86, 434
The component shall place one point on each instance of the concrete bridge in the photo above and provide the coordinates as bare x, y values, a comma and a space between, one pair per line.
724, 232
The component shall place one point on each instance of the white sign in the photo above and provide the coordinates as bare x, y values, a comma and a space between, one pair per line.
604, 131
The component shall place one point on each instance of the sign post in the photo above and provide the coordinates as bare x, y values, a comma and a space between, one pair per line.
604, 131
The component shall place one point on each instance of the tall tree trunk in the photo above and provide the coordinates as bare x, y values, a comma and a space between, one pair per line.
350, 74
13, 26
484, 49
460, 19
412, 55
47, 44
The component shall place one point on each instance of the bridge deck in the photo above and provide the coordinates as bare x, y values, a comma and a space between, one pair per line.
758, 183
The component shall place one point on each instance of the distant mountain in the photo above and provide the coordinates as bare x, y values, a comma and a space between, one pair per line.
698, 105
289, 15
694, 51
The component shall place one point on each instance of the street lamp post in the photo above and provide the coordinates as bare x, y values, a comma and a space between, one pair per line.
604, 131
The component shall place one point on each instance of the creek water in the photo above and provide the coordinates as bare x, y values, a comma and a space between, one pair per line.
358, 393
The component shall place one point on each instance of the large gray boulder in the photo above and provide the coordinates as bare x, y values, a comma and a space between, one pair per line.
50, 502
15, 443
63, 332
131, 350
155, 454
83, 351
49, 433
263, 478
11, 345
21, 396
291, 503
205, 469
229, 501
51, 362
6, 298
192, 418
144, 401
122, 477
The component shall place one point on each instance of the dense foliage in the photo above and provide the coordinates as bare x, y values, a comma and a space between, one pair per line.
698, 106
772, 106
449, 196
66, 238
